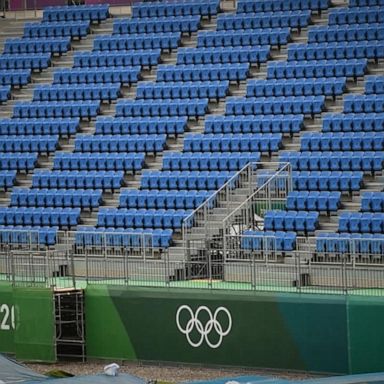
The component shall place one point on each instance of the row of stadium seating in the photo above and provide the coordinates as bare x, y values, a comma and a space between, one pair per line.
62, 109
62, 127
56, 198
268, 241
306, 222
128, 238
365, 3
70, 92
209, 72
232, 143
98, 162
313, 201
176, 180
138, 199
137, 58
176, 161
339, 51
42, 217
18, 161
171, 107
361, 222
119, 143
180, 90
363, 103
141, 218
52, 45
301, 87
340, 16
83, 12
233, 55
7, 179
28, 235
334, 161
38, 61
361, 122
372, 202
106, 75
77, 180
374, 84
187, 24
276, 105
46, 144
291, 19
355, 141
165, 41
141, 126
250, 6
15, 77
77, 29
169, 9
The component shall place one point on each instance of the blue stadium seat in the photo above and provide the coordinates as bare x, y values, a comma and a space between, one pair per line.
94, 13
268, 241
49, 45
360, 122
76, 29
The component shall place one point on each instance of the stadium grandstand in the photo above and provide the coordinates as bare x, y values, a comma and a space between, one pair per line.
230, 147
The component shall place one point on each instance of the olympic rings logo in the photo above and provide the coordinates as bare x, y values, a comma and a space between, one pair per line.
204, 331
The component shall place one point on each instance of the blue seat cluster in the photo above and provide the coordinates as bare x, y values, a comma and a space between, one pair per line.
180, 90
118, 143
254, 124
57, 45
361, 15
275, 105
98, 162
187, 24
334, 161
268, 241
37, 61
64, 127
232, 143
349, 141
46, 144
209, 72
56, 198
233, 161
192, 181
142, 199
160, 108
374, 85
77, 29
41, 217
18, 161
372, 202
366, 3
279, 19
353, 122
251, 6
169, 9
5, 93
247, 37
7, 179
313, 201
107, 75
330, 34
28, 235
141, 218
356, 222
69, 92
294, 221
18, 77
341, 50
319, 68
61, 109
96, 13
77, 180
116, 58
327, 181
353, 243
301, 87
129, 238
226, 55
140, 126
166, 41
363, 103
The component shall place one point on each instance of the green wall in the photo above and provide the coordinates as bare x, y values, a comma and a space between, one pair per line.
27, 327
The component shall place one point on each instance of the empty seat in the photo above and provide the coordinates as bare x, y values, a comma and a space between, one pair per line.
323, 201
51, 45
268, 241
32, 61
5, 93
18, 161
77, 29
42, 236
7, 179
374, 85
355, 222
299, 221
372, 202
94, 13
352, 122
45, 144
15, 77
364, 103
